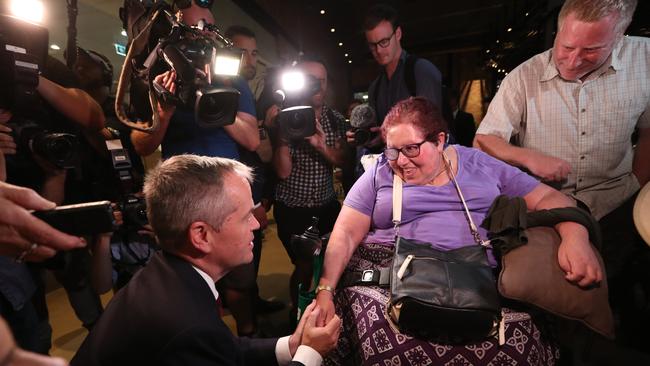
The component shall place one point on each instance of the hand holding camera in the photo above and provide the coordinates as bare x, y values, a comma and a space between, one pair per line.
165, 85
365, 131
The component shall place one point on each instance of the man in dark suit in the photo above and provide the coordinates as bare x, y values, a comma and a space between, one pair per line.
202, 213
463, 127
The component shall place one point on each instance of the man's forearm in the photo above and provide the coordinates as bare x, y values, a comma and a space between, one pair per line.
73, 103
502, 150
244, 131
641, 164
146, 143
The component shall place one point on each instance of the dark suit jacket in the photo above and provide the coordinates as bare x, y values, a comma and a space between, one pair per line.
167, 315
463, 128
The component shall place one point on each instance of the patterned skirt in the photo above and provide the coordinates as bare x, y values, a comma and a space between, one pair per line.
367, 337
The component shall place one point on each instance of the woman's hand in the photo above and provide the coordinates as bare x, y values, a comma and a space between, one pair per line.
578, 259
325, 301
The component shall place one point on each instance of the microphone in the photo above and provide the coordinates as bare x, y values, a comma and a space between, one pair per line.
362, 118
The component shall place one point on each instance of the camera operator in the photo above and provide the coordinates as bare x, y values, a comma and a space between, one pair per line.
178, 132
305, 171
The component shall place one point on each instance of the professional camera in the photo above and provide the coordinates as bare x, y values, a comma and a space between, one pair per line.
161, 43
297, 118
362, 118
23, 52
132, 206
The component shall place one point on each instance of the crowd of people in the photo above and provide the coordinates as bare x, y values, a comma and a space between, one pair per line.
567, 128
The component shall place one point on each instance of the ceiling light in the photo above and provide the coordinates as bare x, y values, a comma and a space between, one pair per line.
332, 30
509, 29
346, 55
349, 61
55, 47
487, 51
497, 41
526, 14
322, 11
340, 44
123, 33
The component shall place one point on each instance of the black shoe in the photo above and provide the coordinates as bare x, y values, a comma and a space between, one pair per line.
268, 306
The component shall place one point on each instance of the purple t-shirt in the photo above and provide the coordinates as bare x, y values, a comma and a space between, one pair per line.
435, 214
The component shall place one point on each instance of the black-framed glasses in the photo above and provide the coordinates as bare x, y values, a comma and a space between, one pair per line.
383, 43
410, 151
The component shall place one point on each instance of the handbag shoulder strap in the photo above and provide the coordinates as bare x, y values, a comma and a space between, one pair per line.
472, 226
397, 203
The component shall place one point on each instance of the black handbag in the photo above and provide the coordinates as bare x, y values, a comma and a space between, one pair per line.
443, 295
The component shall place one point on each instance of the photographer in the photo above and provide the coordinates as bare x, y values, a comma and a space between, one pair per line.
305, 171
178, 132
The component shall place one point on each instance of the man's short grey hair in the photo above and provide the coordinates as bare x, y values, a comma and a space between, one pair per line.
594, 10
188, 188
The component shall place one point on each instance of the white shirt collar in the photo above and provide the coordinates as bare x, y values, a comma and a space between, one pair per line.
209, 281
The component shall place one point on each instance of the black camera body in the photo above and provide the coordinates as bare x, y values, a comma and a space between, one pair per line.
58, 148
23, 52
187, 52
297, 119
161, 43
362, 119
363, 135
134, 213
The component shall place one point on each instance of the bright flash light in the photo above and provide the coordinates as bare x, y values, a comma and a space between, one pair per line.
227, 65
293, 81
29, 10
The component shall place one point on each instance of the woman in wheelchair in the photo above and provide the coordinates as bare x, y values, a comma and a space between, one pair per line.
432, 212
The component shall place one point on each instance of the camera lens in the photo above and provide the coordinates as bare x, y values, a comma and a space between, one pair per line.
57, 148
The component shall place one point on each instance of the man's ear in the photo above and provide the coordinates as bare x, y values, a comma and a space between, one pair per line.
200, 235
398, 33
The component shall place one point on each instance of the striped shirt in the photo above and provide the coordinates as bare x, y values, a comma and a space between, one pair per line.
587, 123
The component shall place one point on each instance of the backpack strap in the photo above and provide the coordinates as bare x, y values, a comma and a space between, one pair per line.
409, 74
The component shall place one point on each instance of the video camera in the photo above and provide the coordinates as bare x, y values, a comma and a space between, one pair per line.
23, 52
158, 43
297, 118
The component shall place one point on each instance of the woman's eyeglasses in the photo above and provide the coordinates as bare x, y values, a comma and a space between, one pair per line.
410, 151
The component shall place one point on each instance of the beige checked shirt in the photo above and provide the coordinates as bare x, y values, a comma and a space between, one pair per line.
587, 123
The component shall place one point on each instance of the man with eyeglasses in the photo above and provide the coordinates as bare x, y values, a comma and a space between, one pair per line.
384, 34
404, 75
